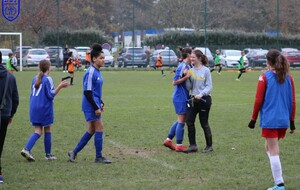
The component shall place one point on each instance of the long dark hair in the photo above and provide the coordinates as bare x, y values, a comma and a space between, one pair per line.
44, 66
279, 62
185, 52
199, 55
96, 51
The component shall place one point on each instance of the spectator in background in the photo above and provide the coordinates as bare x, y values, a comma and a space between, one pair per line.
66, 57
9, 101
11, 63
159, 63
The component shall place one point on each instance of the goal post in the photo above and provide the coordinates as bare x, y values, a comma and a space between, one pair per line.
20, 44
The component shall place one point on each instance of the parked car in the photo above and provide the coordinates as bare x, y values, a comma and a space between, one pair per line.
206, 51
293, 57
132, 56
34, 56
288, 49
24, 52
82, 53
230, 57
169, 58
56, 55
257, 58
5, 53
109, 59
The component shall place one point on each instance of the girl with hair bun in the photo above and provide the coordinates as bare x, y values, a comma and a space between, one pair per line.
41, 109
92, 106
275, 100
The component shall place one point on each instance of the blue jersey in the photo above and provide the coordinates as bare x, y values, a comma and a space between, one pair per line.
277, 106
92, 81
181, 93
41, 101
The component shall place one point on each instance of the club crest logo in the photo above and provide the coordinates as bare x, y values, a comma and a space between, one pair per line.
11, 9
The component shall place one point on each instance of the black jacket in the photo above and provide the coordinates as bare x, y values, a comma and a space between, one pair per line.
11, 101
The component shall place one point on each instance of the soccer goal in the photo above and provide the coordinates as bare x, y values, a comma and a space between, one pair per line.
20, 43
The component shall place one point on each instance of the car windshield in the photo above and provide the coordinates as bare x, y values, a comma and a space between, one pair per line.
294, 53
167, 53
5, 52
233, 53
135, 50
106, 52
38, 52
82, 49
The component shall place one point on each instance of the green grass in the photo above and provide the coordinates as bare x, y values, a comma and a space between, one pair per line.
138, 113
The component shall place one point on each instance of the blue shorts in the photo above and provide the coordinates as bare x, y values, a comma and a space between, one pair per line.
41, 124
90, 116
180, 107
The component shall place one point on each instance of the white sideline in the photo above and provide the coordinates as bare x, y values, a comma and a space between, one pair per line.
142, 155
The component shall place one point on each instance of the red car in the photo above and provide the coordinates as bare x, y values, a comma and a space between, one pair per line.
293, 58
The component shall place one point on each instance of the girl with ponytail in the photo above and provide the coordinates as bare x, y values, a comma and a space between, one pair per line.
41, 110
275, 100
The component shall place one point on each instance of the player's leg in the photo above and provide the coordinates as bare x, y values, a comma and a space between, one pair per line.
48, 143
272, 145
204, 110
191, 114
26, 152
98, 141
168, 141
3, 130
180, 132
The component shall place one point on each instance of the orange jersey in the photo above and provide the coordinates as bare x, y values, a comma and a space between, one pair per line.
71, 63
158, 62
88, 56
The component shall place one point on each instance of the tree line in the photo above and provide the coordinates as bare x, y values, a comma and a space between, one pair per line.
38, 17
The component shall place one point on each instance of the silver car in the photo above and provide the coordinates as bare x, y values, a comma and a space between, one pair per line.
34, 56
169, 58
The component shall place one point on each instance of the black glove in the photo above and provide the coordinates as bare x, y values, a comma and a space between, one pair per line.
292, 125
251, 124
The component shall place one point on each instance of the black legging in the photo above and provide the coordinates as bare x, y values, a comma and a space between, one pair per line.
3, 129
202, 108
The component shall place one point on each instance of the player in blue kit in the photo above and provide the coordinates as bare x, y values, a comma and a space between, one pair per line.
92, 106
275, 101
41, 109
180, 97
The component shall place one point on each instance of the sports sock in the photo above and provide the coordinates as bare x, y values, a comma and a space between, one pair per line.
98, 140
239, 75
220, 68
179, 133
172, 131
47, 143
162, 72
276, 169
212, 70
71, 81
83, 141
31, 141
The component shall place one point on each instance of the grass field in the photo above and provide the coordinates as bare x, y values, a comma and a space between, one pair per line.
137, 117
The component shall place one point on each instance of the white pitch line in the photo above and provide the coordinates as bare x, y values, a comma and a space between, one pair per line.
143, 155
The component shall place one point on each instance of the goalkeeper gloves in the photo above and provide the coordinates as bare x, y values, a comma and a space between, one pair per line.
251, 124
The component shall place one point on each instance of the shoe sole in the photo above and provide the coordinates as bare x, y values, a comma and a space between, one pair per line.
27, 157
190, 151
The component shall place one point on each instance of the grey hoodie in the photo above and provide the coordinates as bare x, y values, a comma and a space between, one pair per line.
11, 100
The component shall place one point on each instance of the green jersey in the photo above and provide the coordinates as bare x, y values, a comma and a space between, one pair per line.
241, 63
217, 59
8, 64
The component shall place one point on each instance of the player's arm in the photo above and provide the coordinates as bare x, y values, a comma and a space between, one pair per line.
259, 98
292, 119
89, 96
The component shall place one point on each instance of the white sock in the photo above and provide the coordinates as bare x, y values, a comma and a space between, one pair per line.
268, 153
276, 169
